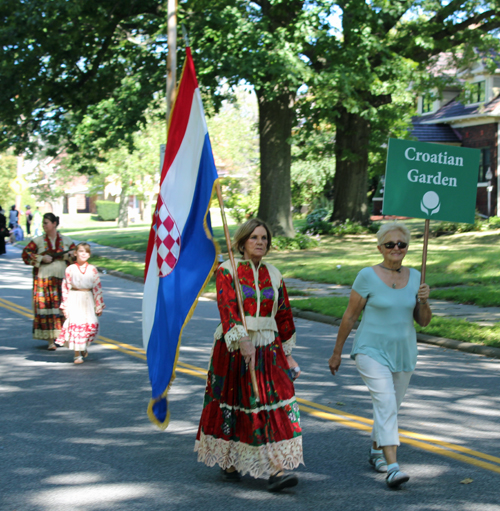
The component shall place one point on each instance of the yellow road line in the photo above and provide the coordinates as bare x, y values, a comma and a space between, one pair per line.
318, 410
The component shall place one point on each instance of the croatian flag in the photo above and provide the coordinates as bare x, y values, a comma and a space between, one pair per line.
181, 253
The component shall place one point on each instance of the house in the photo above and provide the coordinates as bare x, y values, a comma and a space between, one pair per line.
447, 118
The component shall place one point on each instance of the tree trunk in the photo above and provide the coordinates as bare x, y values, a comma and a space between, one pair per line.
275, 130
123, 209
350, 184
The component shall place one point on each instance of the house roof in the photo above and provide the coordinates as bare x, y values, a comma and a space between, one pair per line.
454, 110
433, 132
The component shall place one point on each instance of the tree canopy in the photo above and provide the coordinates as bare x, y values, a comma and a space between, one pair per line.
61, 58
93, 67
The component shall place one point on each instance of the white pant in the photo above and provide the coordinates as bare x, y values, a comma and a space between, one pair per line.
387, 390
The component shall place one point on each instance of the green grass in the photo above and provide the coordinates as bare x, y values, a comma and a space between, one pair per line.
462, 330
127, 239
136, 269
328, 305
128, 267
481, 295
450, 328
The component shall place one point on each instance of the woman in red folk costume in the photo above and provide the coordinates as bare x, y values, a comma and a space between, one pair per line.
237, 432
49, 255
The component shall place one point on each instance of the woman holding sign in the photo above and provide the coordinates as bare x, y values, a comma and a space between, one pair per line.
385, 346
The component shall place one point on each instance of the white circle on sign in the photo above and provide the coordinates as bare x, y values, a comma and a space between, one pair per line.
430, 200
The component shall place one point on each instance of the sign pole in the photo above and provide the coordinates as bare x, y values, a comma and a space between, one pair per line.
235, 279
424, 253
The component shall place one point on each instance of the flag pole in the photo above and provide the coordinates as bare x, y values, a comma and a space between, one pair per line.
236, 286
172, 55
424, 253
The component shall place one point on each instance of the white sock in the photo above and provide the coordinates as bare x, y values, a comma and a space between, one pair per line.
377, 451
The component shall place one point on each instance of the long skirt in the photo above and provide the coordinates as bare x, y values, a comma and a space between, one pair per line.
46, 302
82, 325
259, 438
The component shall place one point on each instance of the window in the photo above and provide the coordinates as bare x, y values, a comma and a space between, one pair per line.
427, 103
477, 94
484, 164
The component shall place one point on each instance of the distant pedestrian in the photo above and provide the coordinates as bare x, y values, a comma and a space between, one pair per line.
49, 255
37, 222
16, 234
29, 218
4, 232
385, 346
13, 217
81, 304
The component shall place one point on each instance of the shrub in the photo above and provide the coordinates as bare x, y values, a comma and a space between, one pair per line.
107, 210
318, 227
339, 228
444, 228
317, 215
493, 222
300, 242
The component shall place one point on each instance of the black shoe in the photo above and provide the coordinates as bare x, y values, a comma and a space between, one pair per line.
230, 477
280, 482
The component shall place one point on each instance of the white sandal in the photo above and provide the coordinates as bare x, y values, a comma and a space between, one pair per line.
78, 360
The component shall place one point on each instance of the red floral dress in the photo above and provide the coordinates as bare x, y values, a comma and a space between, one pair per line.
259, 438
82, 299
47, 281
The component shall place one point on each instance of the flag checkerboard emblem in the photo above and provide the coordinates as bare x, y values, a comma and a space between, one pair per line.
168, 241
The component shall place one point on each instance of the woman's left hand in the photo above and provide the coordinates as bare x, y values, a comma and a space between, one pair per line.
423, 293
292, 364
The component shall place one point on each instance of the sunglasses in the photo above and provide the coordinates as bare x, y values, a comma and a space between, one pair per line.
399, 244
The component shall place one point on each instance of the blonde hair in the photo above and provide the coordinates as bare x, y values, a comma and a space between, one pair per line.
245, 231
393, 226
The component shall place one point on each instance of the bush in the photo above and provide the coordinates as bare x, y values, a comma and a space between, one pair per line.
493, 222
300, 242
444, 228
349, 227
339, 229
107, 210
317, 215
318, 227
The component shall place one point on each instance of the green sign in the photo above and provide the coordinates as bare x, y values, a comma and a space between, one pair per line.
431, 181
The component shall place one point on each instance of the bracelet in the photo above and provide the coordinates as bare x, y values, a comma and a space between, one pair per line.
420, 302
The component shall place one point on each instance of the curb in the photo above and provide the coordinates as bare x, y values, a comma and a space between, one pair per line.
443, 342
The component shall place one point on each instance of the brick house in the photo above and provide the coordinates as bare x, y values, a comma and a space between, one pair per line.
474, 122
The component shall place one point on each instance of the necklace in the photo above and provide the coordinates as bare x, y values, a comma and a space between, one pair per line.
390, 269
80, 268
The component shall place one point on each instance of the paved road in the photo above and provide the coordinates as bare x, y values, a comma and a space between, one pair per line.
77, 437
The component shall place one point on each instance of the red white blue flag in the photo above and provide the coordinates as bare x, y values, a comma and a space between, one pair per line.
181, 253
